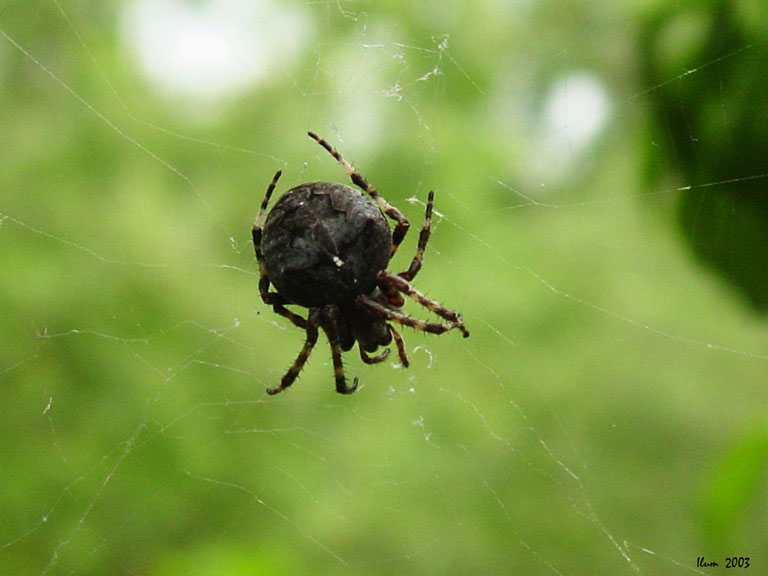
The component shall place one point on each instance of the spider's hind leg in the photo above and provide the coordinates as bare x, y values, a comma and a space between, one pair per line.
270, 298
401, 222
261, 217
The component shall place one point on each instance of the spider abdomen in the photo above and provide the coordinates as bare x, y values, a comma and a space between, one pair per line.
325, 243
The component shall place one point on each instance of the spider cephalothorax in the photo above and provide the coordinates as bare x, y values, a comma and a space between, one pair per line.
326, 247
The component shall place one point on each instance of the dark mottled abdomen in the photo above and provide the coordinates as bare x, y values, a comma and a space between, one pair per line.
325, 243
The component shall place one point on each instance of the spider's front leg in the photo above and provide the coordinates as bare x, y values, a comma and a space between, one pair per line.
400, 345
388, 282
426, 230
365, 357
394, 315
313, 321
330, 324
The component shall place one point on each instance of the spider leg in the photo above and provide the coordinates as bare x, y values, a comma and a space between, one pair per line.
313, 321
387, 281
401, 222
270, 298
330, 314
258, 226
296, 319
400, 345
385, 354
426, 230
394, 315
373, 359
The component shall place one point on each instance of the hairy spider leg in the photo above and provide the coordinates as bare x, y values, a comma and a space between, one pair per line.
270, 298
258, 226
426, 230
387, 280
401, 222
313, 321
385, 354
400, 345
386, 313
331, 327
373, 359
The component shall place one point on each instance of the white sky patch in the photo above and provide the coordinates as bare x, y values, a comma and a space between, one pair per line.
573, 115
213, 49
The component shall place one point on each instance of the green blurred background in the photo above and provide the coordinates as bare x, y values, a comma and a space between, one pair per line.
600, 171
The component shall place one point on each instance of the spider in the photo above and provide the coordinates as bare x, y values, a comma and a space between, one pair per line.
325, 247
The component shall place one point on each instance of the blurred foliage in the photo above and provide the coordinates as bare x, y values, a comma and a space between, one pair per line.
610, 400
737, 489
719, 150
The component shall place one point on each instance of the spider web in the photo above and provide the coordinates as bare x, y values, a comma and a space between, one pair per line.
607, 414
